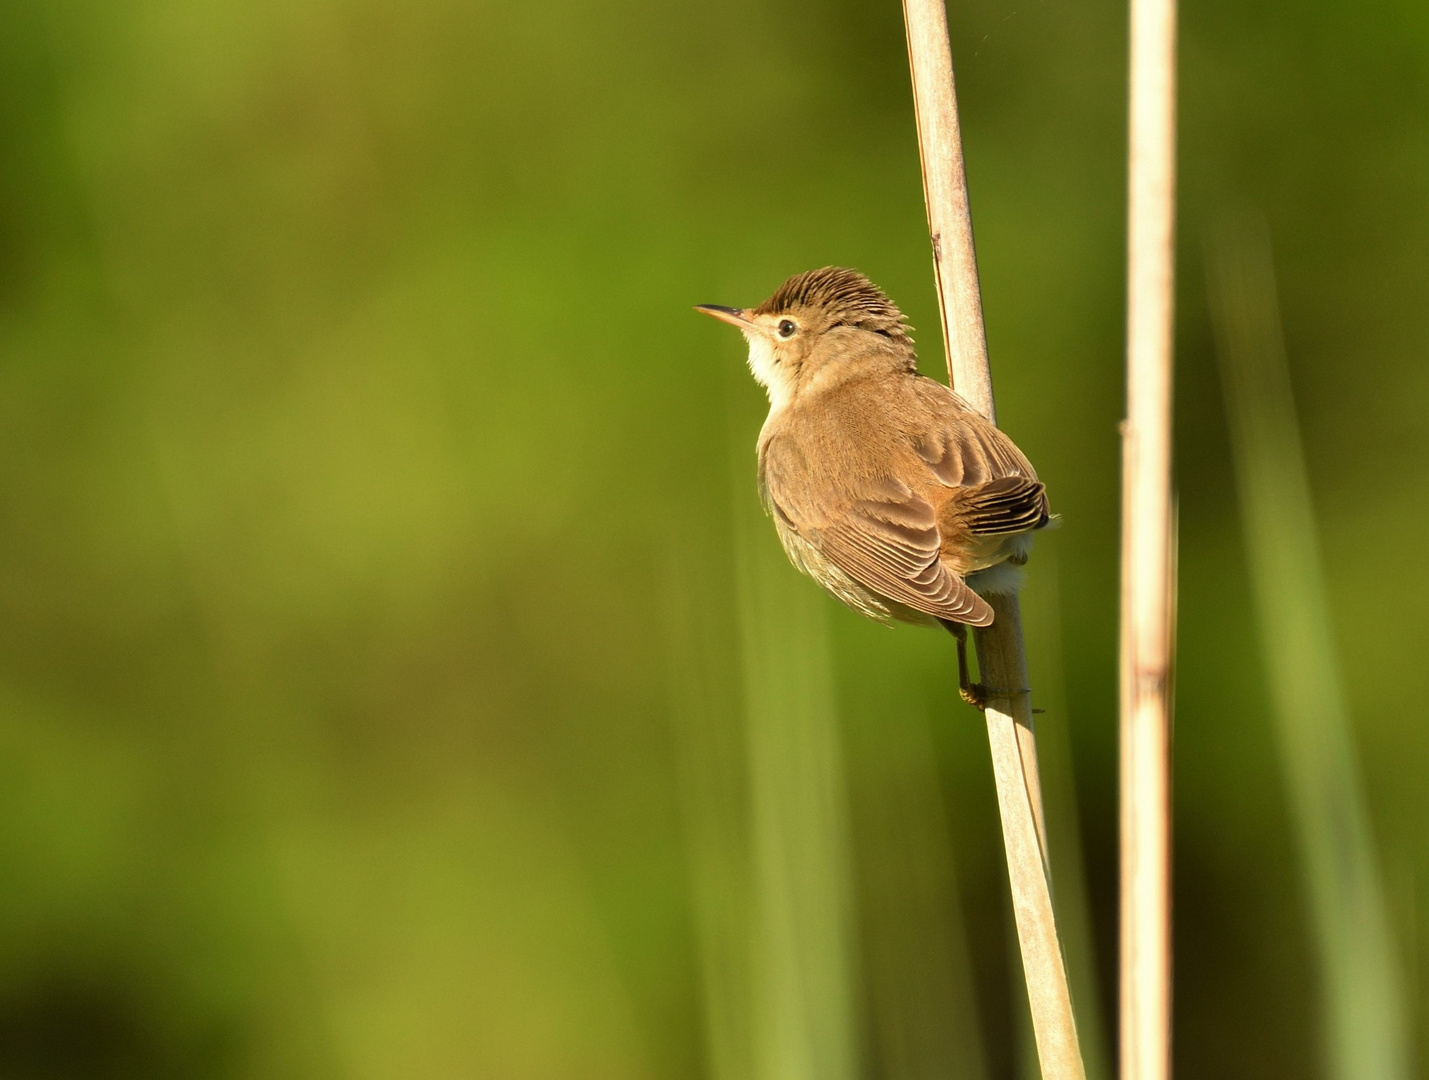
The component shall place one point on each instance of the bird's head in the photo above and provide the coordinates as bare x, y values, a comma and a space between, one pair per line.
815, 322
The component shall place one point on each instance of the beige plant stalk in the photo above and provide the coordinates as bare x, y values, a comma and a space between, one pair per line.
1147, 577
999, 647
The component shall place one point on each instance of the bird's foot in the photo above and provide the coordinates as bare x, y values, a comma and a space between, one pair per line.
975, 694
978, 695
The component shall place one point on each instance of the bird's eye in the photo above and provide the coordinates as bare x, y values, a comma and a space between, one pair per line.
787, 328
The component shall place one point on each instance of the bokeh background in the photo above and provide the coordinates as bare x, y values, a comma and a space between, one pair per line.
397, 678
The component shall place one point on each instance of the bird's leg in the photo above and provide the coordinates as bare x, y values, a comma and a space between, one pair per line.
974, 694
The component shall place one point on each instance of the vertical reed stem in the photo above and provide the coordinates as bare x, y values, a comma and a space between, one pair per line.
1147, 603
1001, 656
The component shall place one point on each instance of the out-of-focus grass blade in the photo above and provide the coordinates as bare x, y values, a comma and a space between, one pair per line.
919, 974
803, 924
1363, 1009
710, 761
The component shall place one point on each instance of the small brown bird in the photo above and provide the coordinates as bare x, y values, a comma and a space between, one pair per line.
885, 487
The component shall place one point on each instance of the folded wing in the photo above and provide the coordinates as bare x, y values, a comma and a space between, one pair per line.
890, 543
961, 478
1002, 507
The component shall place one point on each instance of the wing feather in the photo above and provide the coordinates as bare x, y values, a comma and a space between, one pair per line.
894, 549
886, 534
1003, 507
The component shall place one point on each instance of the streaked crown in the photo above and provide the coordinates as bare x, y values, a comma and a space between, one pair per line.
842, 297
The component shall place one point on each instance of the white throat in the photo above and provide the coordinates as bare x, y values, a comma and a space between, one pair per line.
767, 371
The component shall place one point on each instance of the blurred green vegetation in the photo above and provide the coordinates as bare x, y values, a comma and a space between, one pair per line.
1361, 1016
368, 548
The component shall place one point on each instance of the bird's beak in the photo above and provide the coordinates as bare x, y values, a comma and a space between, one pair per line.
732, 315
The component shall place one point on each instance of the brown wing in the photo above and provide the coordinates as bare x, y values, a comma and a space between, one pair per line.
1002, 507
995, 489
887, 534
961, 448
889, 542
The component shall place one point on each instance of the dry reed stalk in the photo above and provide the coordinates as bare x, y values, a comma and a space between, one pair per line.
1000, 652
1147, 601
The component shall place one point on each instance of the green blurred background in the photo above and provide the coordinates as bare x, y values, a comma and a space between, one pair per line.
387, 626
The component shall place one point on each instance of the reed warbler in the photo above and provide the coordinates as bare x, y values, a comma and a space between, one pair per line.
885, 486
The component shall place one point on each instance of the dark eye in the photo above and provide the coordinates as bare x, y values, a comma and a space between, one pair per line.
787, 328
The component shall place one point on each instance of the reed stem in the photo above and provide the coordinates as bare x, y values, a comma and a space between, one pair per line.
1148, 586
1001, 656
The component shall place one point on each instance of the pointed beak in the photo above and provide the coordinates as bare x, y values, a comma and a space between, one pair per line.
732, 315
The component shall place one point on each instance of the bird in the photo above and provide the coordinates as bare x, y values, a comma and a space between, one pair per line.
885, 486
